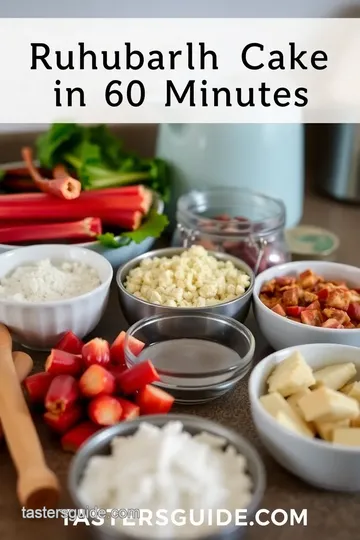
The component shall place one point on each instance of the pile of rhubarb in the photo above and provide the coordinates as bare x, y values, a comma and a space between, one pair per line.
87, 386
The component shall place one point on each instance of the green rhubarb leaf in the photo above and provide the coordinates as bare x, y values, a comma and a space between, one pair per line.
153, 227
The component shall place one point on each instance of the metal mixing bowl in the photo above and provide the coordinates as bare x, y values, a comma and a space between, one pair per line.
99, 444
135, 309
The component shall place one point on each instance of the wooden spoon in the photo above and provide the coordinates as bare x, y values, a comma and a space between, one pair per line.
37, 485
23, 365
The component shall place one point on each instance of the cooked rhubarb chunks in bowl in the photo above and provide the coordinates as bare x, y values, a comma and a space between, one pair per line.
310, 299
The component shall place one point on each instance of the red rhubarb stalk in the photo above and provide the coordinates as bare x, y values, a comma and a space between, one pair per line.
60, 423
115, 192
37, 385
70, 343
104, 410
63, 363
62, 394
77, 436
79, 230
117, 352
124, 220
96, 381
63, 187
152, 400
137, 377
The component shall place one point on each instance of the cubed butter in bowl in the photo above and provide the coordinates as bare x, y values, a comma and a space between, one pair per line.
305, 404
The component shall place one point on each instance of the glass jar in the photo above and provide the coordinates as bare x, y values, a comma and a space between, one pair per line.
243, 223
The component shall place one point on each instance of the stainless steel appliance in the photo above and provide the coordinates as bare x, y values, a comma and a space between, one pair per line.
337, 166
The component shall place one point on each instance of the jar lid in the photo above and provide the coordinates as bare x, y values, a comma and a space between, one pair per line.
307, 240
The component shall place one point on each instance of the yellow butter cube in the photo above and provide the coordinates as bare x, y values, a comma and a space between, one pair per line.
326, 405
291, 376
352, 390
275, 403
326, 429
335, 376
348, 436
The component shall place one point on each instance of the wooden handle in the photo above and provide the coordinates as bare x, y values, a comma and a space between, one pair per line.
23, 365
37, 485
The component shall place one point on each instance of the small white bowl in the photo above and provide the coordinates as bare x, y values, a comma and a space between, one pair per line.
39, 325
281, 332
322, 464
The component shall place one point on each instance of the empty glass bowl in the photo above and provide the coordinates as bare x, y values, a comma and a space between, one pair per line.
199, 357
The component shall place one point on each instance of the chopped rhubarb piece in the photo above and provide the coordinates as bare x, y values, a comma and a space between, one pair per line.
294, 311
314, 306
268, 301
309, 297
279, 310
268, 287
130, 411
37, 386
323, 295
105, 410
65, 420
117, 353
152, 400
354, 311
308, 279
338, 314
285, 281
63, 186
70, 343
332, 323
338, 299
291, 297
73, 440
349, 325
311, 317
62, 394
137, 377
96, 381
63, 363
96, 351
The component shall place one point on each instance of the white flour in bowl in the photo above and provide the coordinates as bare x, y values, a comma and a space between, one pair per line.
167, 469
44, 281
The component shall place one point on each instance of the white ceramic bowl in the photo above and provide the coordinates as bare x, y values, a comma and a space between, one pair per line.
322, 464
281, 332
40, 325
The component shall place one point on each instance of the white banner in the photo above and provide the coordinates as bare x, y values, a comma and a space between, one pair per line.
180, 70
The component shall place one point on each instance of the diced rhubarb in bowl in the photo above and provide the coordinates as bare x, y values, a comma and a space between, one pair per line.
305, 302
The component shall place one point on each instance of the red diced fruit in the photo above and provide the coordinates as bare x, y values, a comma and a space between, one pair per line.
61, 423
314, 306
323, 295
117, 352
63, 363
37, 386
284, 281
152, 400
332, 323
62, 394
96, 351
105, 410
338, 299
294, 311
291, 297
311, 317
73, 440
268, 287
354, 311
130, 410
96, 381
338, 314
137, 377
70, 343
279, 310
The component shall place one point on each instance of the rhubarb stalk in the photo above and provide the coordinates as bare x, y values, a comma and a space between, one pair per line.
86, 229
63, 187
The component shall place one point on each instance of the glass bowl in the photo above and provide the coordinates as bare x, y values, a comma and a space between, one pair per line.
199, 357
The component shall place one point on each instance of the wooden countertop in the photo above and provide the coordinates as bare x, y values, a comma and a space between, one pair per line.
330, 515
